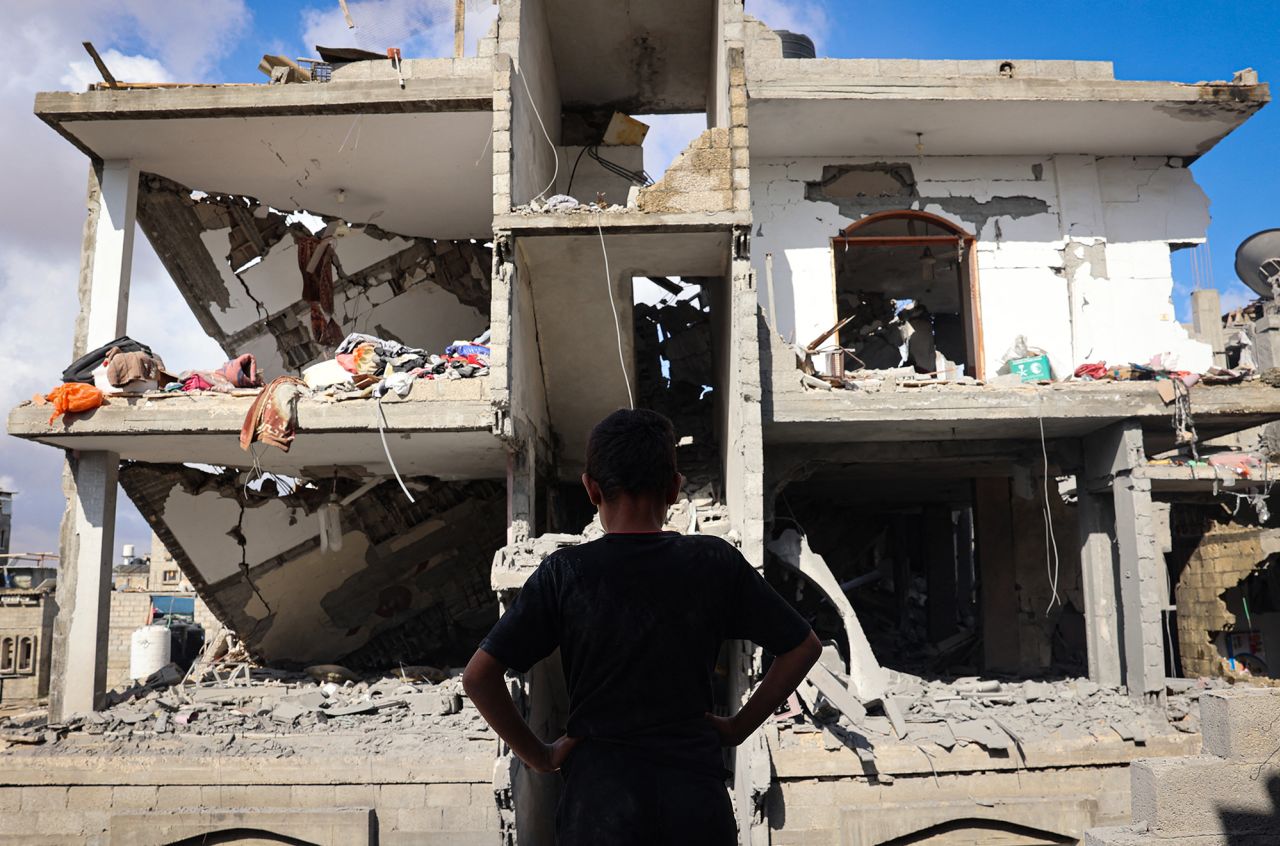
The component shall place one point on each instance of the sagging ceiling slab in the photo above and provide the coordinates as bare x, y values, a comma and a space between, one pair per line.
417, 173
636, 56
574, 315
796, 115
409, 584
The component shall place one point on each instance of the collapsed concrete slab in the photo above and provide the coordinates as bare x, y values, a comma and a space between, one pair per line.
408, 585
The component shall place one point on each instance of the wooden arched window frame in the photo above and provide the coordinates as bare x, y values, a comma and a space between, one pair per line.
969, 301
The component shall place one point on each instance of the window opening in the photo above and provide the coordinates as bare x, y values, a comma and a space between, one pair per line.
905, 283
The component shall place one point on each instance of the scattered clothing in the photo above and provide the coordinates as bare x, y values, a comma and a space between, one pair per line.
400, 383
73, 398
81, 370
315, 260
242, 372
273, 417
196, 382
126, 367
382, 347
460, 348
323, 374
1092, 370
363, 359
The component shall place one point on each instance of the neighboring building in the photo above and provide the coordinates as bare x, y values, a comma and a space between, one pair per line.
837, 219
6, 521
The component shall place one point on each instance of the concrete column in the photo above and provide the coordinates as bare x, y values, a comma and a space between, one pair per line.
1112, 455
108, 304
1206, 318
84, 649
1098, 577
87, 543
997, 573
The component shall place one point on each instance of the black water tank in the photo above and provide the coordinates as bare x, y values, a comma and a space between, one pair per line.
795, 45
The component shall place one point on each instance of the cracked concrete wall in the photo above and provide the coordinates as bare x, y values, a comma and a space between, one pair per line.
235, 262
1085, 240
410, 583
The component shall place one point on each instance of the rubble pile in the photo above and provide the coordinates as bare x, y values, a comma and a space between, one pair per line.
264, 708
999, 715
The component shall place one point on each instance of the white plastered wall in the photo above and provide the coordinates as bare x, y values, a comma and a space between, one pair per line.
1072, 251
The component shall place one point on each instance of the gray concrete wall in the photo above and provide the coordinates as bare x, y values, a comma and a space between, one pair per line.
533, 103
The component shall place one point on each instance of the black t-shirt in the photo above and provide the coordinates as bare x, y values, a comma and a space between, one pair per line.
639, 620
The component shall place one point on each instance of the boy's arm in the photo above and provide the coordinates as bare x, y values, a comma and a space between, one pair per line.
785, 674
484, 680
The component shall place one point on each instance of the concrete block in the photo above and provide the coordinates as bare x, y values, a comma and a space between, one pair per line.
64, 822
420, 820
1204, 795
448, 794
469, 818
89, 797
1242, 724
448, 838
172, 796
402, 796
10, 799
44, 798
310, 796
134, 797
355, 795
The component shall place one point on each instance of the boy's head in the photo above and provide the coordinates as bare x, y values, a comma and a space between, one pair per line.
633, 452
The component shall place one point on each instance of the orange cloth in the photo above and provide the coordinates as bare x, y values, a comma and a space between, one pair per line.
73, 398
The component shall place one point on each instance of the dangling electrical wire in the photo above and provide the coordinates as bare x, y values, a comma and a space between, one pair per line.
617, 328
382, 432
1050, 539
555, 155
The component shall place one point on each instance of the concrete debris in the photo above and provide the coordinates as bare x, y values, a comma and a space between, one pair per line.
280, 705
560, 207
995, 714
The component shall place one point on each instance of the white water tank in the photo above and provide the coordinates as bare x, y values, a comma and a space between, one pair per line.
149, 650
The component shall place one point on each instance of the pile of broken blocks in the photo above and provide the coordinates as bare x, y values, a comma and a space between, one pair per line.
1001, 716
252, 702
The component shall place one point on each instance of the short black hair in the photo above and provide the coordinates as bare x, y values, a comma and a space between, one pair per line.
632, 451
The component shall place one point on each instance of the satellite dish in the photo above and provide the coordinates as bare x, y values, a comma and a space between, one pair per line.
1258, 262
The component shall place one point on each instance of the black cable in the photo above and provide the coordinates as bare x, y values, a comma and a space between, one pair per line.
637, 177
569, 190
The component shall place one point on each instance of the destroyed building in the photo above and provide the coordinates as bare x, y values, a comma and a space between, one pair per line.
917, 338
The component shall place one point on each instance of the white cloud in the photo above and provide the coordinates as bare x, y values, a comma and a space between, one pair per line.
807, 18
420, 28
82, 74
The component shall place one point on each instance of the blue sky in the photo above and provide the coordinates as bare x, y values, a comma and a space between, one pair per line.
223, 40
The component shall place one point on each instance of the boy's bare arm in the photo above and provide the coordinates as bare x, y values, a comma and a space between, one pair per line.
786, 672
484, 680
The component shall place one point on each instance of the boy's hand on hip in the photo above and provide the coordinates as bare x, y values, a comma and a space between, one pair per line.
554, 754
728, 729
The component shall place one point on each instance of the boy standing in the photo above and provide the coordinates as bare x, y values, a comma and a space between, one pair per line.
639, 617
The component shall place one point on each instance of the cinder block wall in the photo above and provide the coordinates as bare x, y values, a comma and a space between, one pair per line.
861, 811
1224, 556
153, 798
